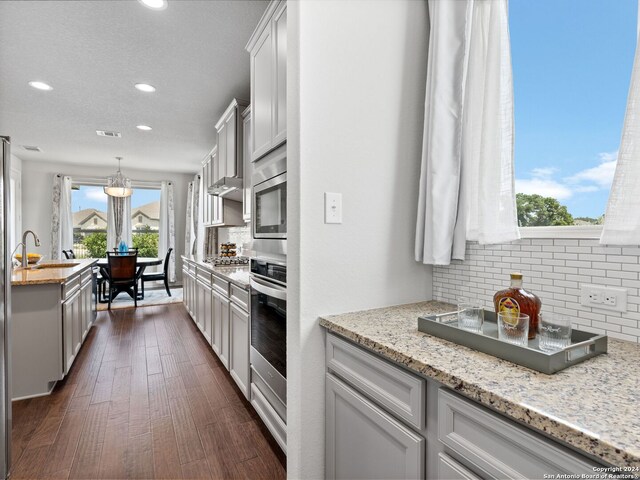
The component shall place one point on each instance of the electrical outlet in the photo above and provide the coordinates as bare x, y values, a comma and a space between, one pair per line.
607, 298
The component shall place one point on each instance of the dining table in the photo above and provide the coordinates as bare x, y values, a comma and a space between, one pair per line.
141, 264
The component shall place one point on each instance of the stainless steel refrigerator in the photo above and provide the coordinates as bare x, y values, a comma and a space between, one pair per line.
5, 308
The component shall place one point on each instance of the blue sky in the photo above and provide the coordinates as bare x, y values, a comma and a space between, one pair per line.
94, 197
572, 62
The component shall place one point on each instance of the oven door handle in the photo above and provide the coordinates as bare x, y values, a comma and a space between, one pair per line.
261, 286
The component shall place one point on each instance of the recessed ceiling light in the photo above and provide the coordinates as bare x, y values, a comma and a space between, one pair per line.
145, 87
41, 86
144, 127
154, 4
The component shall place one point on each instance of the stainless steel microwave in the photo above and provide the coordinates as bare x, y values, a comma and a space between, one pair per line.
270, 208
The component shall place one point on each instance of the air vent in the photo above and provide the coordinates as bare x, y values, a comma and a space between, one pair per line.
31, 148
103, 133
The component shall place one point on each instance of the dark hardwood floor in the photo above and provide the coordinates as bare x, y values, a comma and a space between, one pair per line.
146, 398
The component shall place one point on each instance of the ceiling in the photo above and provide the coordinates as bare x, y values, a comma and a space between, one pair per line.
93, 52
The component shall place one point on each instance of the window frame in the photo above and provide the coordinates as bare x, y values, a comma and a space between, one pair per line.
560, 232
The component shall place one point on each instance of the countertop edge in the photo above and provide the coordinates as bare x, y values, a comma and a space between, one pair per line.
85, 263
549, 426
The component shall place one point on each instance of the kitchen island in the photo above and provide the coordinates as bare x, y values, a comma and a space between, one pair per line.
52, 311
591, 407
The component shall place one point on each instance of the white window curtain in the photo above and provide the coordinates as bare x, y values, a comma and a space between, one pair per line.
622, 217
62, 217
467, 187
188, 227
167, 232
118, 221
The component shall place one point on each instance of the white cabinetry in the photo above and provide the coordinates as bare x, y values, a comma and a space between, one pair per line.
248, 165
220, 310
376, 428
217, 211
267, 49
239, 341
49, 324
230, 137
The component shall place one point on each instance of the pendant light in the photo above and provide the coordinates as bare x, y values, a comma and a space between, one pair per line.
118, 185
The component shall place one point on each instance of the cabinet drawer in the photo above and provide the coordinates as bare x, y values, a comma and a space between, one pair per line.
203, 275
221, 286
239, 296
397, 391
500, 448
86, 276
70, 286
449, 469
191, 267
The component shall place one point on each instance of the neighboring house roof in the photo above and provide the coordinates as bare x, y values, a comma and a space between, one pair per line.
150, 210
81, 216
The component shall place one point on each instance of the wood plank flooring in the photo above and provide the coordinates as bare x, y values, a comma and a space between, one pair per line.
146, 398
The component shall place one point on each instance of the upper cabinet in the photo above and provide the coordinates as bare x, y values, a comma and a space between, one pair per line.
248, 166
230, 138
268, 56
217, 211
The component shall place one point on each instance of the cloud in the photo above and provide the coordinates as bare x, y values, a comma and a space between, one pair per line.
95, 194
545, 187
601, 175
588, 180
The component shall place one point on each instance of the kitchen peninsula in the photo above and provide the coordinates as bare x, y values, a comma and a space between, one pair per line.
52, 312
485, 417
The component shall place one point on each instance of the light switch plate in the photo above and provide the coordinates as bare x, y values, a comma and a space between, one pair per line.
332, 207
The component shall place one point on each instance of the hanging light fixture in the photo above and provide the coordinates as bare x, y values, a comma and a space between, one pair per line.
118, 185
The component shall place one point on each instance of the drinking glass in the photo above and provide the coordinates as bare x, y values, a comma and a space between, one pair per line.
554, 332
470, 316
513, 328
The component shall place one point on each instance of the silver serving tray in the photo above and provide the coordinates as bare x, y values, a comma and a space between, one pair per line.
584, 345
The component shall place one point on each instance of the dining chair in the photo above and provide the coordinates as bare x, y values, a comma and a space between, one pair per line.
156, 277
128, 252
122, 275
69, 254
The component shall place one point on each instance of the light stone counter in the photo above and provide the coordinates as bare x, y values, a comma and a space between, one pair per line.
37, 275
593, 406
237, 274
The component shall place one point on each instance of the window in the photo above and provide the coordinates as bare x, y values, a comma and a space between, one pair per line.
572, 62
145, 231
89, 207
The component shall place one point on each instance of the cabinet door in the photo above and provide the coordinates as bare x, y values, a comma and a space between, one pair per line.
201, 313
222, 152
77, 323
208, 313
363, 441
87, 309
232, 131
216, 313
185, 287
239, 347
261, 58
224, 332
280, 75
247, 167
449, 469
70, 322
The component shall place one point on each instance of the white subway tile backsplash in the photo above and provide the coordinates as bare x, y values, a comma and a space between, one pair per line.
554, 269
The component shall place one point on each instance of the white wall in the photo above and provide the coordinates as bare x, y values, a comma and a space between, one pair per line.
356, 82
37, 183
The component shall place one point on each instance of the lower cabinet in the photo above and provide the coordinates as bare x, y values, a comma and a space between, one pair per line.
221, 327
220, 310
373, 429
363, 441
239, 366
71, 329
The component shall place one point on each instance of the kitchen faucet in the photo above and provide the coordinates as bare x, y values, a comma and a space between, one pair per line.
24, 245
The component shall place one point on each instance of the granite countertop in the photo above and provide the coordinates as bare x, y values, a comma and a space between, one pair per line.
236, 274
59, 274
593, 406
